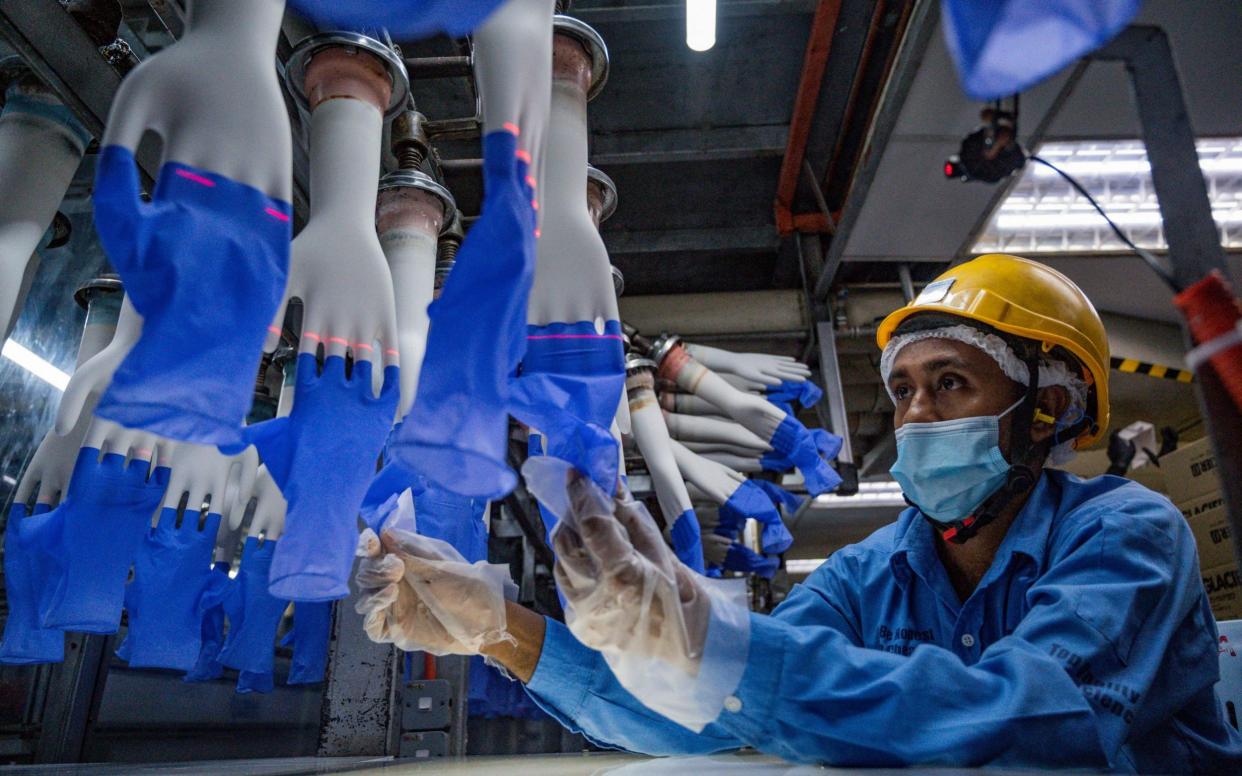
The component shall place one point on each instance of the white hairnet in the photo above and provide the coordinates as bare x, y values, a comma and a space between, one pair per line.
1051, 371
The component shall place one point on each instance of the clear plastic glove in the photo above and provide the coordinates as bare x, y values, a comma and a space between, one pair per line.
421, 595
756, 368
628, 597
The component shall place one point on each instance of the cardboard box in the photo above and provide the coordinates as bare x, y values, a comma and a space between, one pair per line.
1209, 522
1190, 471
1224, 589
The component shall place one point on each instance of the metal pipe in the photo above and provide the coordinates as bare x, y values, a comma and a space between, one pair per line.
907, 282
439, 67
814, 64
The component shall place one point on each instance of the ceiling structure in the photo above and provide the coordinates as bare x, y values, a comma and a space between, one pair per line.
841, 134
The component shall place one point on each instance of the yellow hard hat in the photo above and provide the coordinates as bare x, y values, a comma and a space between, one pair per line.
1025, 299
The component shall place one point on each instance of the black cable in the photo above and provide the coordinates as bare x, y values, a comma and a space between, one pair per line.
1156, 265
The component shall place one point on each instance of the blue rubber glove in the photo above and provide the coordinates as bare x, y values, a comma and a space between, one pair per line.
26, 641
171, 574
322, 456
205, 264
794, 441
312, 626
569, 388
455, 519
751, 500
742, 558
775, 537
687, 542
253, 613
404, 19
254, 681
211, 626
806, 393
89, 542
457, 433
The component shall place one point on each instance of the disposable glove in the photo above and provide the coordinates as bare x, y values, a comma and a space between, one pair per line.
404, 19
26, 641
171, 574
312, 625
89, 542
456, 434
205, 261
571, 381
742, 558
752, 500
783, 432
202, 237
805, 392
421, 595
801, 447
210, 612
254, 681
758, 368
454, 519
253, 613
323, 456
628, 597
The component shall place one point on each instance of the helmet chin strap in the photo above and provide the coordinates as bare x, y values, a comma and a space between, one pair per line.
1021, 475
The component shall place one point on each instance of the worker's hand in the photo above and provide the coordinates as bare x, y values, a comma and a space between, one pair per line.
626, 589
419, 594
628, 597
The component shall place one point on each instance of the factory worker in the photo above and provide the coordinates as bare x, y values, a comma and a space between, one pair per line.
1014, 614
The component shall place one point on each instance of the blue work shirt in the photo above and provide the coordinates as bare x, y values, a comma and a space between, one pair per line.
1089, 642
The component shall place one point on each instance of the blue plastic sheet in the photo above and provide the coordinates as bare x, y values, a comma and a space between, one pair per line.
253, 613
322, 456
204, 263
1003, 47
456, 433
171, 574
88, 543
26, 641
403, 19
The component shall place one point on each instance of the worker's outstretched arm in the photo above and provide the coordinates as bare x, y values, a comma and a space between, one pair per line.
1068, 687
1079, 677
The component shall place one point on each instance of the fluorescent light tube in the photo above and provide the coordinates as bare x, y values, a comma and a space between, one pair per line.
700, 24
32, 363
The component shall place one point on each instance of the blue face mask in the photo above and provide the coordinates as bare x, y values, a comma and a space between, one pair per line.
950, 467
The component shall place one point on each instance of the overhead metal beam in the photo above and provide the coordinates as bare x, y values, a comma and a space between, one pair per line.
832, 405
918, 33
743, 238
687, 145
